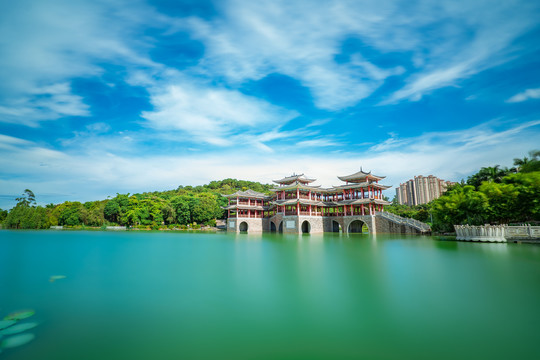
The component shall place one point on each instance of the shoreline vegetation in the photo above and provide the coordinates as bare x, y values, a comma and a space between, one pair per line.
493, 195
187, 207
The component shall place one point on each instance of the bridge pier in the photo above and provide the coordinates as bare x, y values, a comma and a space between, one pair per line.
377, 223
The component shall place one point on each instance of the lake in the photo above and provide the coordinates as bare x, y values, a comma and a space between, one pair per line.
179, 295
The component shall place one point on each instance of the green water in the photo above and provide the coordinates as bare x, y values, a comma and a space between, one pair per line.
146, 295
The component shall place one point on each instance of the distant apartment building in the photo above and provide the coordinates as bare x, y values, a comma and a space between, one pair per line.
421, 190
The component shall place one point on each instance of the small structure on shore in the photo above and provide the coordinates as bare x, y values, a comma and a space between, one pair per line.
498, 233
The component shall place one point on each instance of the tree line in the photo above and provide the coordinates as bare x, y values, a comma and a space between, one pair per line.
185, 206
493, 195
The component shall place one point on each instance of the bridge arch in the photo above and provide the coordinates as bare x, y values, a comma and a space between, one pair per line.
272, 227
355, 225
306, 227
243, 227
336, 227
280, 227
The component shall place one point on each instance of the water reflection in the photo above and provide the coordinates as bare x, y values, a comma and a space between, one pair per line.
269, 296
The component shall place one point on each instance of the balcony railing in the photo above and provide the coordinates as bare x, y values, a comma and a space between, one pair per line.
252, 203
401, 220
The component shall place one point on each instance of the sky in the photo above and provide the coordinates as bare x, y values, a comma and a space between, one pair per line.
105, 97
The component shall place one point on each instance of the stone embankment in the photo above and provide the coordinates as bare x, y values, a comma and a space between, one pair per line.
498, 233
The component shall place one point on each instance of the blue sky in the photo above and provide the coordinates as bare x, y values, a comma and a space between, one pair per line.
100, 97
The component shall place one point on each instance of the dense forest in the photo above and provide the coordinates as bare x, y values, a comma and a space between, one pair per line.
492, 195
184, 207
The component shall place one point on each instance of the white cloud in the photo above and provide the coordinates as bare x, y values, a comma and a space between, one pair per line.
254, 39
525, 95
447, 41
466, 43
45, 45
92, 175
212, 115
48, 44
44, 103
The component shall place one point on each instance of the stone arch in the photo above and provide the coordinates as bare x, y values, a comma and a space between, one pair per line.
280, 227
306, 227
272, 227
336, 227
243, 227
356, 226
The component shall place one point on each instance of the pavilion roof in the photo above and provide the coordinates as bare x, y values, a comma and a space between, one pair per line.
360, 176
300, 201
247, 194
245, 207
361, 185
294, 178
297, 186
362, 201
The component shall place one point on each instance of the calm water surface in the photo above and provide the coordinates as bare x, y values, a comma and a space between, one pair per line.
148, 295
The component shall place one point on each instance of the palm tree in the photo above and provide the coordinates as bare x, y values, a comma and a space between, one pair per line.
494, 173
528, 164
520, 162
491, 173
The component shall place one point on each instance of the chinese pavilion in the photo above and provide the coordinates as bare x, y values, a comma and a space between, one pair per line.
298, 206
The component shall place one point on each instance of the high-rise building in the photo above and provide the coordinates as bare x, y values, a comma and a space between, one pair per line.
421, 190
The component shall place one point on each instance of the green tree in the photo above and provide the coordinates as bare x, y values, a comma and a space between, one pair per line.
25, 215
204, 208
180, 204
3, 215
503, 201
529, 165
491, 173
94, 213
461, 205
528, 198
168, 213
115, 209
72, 214
28, 198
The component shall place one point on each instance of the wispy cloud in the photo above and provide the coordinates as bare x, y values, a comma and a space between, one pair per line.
44, 103
525, 95
466, 43
101, 173
446, 41
212, 115
297, 39
47, 44
221, 104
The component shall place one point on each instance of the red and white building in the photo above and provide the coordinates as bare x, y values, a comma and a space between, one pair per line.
298, 206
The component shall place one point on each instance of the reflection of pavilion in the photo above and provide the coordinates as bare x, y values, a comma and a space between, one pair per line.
299, 207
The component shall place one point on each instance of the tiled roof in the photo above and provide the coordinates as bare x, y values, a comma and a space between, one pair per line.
247, 194
294, 178
360, 175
